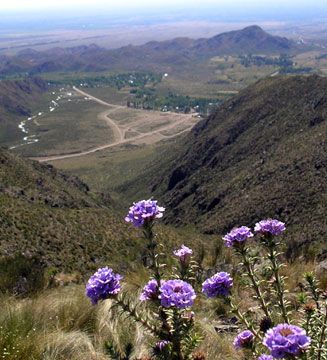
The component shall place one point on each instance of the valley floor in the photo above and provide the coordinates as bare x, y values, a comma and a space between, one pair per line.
131, 126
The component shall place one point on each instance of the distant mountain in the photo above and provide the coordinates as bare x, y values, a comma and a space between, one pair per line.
252, 39
155, 55
262, 154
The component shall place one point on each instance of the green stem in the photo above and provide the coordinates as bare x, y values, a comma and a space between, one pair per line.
278, 282
176, 336
315, 294
241, 317
322, 335
132, 312
256, 287
152, 245
307, 324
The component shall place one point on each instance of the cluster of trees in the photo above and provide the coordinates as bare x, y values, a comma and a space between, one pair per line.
118, 81
259, 60
295, 70
285, 63
149, 100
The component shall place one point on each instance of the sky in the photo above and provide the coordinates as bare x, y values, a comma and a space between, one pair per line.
36, 5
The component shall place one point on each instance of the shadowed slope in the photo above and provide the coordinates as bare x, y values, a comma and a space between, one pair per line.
262, 154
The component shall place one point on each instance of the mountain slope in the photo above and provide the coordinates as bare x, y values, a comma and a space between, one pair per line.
262, 154
54, 217
251, 39
16, 99
155, 55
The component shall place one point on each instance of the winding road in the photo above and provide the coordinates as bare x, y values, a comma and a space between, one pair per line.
119, 132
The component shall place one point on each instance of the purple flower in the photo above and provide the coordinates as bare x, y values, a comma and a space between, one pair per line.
150, 291
144, 211
183, 253
237, 236
244, 339
270, 227
286, 340
218, 285
102, 285
161, 345
176, 293
265, 357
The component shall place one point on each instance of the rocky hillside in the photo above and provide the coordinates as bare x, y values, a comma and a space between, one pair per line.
262, 154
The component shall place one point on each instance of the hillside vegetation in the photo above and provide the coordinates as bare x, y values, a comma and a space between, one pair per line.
262, 154
17, 98
52, 216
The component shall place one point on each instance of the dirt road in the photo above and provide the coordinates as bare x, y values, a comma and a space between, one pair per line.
119, 131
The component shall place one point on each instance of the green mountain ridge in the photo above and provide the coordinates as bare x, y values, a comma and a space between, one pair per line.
262, 154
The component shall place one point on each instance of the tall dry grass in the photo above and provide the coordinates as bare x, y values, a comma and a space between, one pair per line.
61, 324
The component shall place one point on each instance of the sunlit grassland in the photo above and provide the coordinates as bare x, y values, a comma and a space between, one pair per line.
73, 126
315, 59
110, 94
213, 78
61, 324
109, 169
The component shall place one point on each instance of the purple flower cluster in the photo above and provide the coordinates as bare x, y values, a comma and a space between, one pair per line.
103, 284
161, 345
176, 293
150, 291
144, 211
183, 253
270, 227
286, 340
265, 357
218, 285
237, 236
244, 339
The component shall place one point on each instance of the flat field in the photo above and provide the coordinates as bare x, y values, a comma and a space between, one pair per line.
83, 124
72, 125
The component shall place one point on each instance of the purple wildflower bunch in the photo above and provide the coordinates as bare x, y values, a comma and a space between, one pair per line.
176, 293
218, 285
270, 227
102, 285
244, 340
150, 291
161, 345
286, 340
184, 253
143, 212
238, 236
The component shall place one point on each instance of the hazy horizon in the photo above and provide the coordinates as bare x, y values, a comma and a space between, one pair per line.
37, 5
42, 15
220, 8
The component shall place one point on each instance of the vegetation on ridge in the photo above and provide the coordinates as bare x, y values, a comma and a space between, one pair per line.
261, 154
